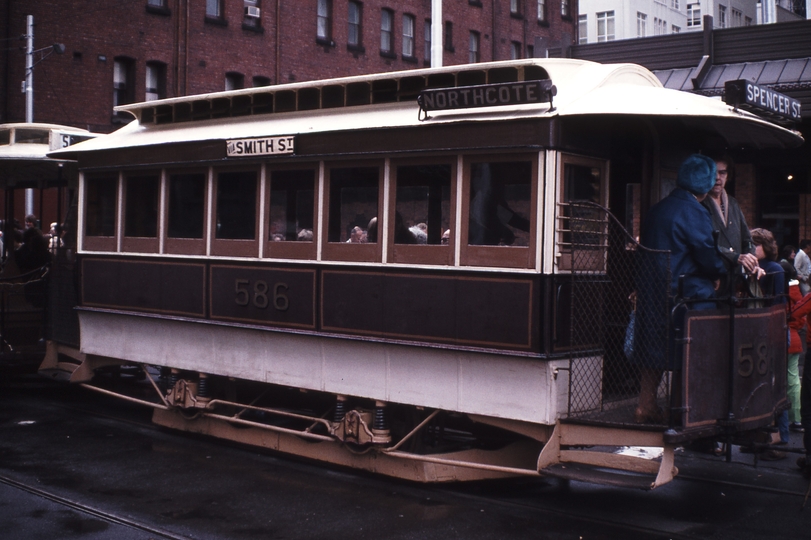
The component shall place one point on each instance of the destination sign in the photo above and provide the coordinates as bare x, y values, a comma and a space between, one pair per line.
487, 95
262, 146
757, 98
62, 139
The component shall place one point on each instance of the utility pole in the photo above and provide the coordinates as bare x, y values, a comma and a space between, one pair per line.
29, 95
436, 33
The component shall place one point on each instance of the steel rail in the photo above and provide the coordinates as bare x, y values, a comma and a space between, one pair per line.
89, 510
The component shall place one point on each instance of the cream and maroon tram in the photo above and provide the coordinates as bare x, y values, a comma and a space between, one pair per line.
412, 273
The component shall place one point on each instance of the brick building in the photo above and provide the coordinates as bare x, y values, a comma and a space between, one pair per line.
124, 51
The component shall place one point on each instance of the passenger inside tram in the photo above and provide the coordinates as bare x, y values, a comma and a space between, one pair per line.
494, 187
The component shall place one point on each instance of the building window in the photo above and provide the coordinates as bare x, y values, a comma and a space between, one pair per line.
156, 3
737, 17
693, 15
473, 48
542, 11
605, 26
123, 75
582, 29
659, 26
234, 81
448, 36
515, 50
675, 29
408, 36
641, 24
515, 7
354, 20
324, 20
260, 81
747, 21
675, 5
530, 51
155, 81
722, 16
214, 9
253, 14
565, 8
427, 41
386, 23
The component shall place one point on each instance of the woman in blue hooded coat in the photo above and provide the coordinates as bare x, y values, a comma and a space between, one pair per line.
681, 225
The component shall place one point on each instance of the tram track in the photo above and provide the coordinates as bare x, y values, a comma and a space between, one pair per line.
522, 507
90, 510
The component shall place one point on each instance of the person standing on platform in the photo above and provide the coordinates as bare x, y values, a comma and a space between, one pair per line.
802, 263
734, 240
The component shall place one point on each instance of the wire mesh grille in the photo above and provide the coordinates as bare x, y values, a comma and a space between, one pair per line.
613, 281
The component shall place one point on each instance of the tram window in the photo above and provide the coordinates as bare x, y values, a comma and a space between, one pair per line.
582, 180
236, 205
141, 206
423, 204
291, 205
500, 203
353, 205
187, 197
101, 206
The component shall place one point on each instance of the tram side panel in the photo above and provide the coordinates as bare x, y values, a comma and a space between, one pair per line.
469, 343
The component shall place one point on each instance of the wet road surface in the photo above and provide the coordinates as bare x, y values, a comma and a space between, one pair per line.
74, 464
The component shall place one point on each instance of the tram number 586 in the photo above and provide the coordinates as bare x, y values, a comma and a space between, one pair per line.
260, 294
753, 357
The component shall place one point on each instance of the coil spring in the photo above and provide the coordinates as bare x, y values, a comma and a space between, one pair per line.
203, 388
171, 381
380, 421
340, 410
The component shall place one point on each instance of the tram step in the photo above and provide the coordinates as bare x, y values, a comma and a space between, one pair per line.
596, 475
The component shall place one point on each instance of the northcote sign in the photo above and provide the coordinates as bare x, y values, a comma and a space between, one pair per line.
487, 95
761, 99
261, 146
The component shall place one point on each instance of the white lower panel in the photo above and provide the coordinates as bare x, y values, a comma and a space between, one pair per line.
476, 383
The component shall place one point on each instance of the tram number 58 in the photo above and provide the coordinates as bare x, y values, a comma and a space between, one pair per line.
260, 294
748, 363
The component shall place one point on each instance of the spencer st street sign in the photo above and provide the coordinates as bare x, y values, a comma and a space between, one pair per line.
761, 100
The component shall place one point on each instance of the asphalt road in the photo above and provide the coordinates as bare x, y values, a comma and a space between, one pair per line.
74, 464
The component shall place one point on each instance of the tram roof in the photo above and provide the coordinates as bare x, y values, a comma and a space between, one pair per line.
24, 149
388, 100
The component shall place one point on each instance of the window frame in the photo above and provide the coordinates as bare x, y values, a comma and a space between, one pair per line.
234, 247
608, 17
386, 13
582, 29
141, 244
409, 38
290, 249
474, 55
186, 246
565, 9
694, 15
641, 24
101, 242
125, 94
356, 45
500, 256
435, 254
220, 15
563, 259
325, 39
542, 12
159, 71
343, 251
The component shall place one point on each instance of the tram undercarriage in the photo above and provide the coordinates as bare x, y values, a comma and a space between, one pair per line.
404, 441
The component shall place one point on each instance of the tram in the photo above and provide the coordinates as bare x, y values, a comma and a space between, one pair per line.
29, 315
423, 274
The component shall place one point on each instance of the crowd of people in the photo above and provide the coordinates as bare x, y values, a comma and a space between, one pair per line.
706, 233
